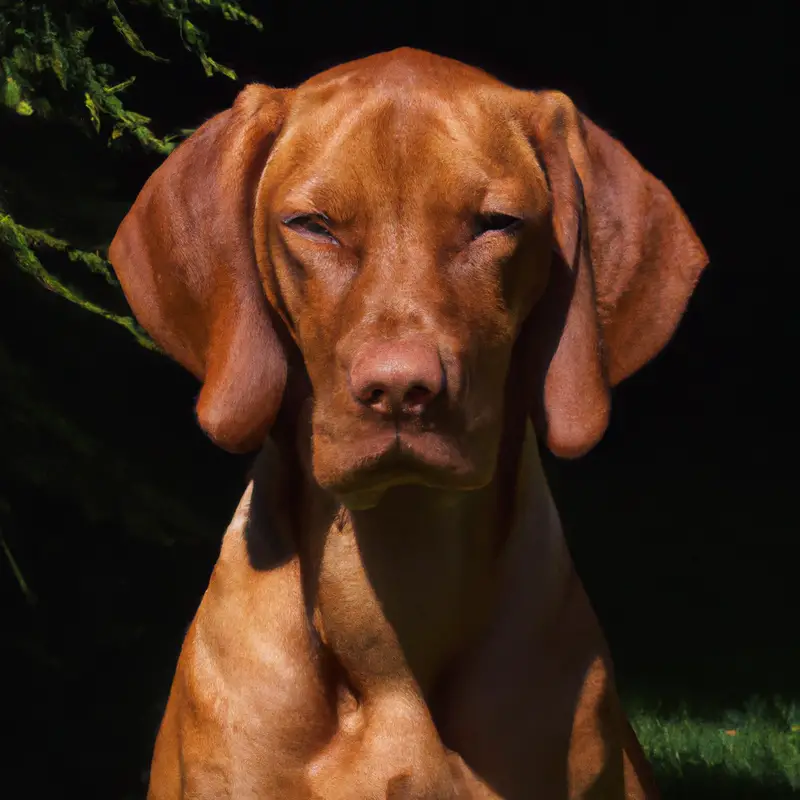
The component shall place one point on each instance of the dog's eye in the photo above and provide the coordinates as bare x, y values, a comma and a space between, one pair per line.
312, 226
486, 223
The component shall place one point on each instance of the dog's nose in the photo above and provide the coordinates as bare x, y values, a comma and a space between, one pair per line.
398, 378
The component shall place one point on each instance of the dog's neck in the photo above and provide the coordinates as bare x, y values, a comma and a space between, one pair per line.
401, 587
396, 592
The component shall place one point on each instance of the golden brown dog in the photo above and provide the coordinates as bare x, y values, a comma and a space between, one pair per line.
398, 280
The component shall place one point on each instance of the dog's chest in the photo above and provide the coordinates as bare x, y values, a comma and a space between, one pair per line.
385, 748
281, 723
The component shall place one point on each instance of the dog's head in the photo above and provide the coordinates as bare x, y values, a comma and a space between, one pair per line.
405, 222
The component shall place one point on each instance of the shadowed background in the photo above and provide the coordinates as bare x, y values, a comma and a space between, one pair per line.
681, 521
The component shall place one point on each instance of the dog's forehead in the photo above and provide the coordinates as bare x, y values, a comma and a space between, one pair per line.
403, 68
404, 111
414, 93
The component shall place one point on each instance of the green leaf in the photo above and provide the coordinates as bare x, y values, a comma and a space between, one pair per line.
192, 33
210, 66
90, 104
130, 35
57, 64
12, 94
119, 87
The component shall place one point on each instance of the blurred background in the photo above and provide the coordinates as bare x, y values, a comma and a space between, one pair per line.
113, 503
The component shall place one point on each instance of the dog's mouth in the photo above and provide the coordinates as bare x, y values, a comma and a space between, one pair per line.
394, 458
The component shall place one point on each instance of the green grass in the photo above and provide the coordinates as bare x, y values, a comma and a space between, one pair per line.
749, 753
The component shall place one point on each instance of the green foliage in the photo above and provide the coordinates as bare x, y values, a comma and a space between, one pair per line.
40, 41
193, 37
22, 240
47, 71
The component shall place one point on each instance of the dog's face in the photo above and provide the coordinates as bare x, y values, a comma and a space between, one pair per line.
403, 236
408, 218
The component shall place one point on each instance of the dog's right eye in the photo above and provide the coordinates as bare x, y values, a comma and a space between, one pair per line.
312, 226
494, 222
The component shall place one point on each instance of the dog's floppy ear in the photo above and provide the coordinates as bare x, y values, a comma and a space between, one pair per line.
185, 258
626, 262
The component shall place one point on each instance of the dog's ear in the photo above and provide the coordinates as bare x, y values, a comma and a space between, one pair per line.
625, 263
184, 255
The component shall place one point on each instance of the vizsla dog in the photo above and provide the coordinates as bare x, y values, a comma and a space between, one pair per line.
397, 282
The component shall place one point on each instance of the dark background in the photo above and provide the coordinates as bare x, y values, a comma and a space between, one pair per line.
680, 521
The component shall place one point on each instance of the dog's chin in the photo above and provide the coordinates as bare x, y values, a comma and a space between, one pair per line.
360, 475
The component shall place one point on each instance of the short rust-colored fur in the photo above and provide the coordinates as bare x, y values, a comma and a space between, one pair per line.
398, 281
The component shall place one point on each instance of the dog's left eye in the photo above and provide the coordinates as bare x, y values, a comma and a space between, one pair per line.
487, 223
312, 226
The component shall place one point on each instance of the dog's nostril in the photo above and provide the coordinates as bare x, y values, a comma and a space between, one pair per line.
378, 398
417, 395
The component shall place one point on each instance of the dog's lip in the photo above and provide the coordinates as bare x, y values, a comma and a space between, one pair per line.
402, 448
389, 453
401, 457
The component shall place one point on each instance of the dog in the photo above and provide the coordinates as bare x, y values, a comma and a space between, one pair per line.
397, 282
